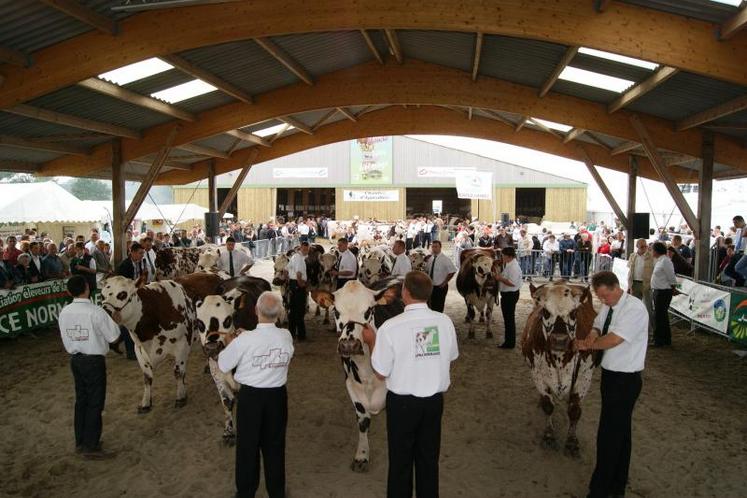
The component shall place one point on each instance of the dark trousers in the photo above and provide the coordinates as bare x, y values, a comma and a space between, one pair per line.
438, 298
620, 391
508, 309
413, 427
296, 323
662, 331
342, 281
730, 270
261, 419
89, 374
125, 337
408, 244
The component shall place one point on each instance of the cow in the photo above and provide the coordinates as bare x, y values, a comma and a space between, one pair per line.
174, 262
419, 259
562, 313
159, 317
355, 305
242, 293
327, 281
210, 256
280, 278
375, 265
476, 284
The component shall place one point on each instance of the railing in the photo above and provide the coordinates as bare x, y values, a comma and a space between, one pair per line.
268, 248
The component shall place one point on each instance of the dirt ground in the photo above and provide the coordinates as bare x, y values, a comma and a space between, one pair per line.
689, 427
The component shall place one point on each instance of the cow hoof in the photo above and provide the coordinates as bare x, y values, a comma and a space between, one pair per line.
206, 369
229, 439
470, 335
572, 448
488, 335
180, 403
143, 409
359, 466
482, 319
325, 321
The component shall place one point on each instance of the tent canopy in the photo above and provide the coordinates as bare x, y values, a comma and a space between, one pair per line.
174, 213
44, 202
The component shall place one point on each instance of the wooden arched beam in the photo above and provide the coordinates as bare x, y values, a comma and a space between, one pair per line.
412, 82
397, 120
668, 39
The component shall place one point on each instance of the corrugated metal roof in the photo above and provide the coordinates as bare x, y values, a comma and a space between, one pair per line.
528, 62
705, 10
321, 53
10, 124
205, 102
439, 47
8, 153
610, 68
312, 117
219, 142
261, 126
584, 91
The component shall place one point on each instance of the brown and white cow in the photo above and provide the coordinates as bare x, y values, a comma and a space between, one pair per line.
419, 259
210, 256
562, 312
327, 281
159, 317
172, 262
375, 265
355, 305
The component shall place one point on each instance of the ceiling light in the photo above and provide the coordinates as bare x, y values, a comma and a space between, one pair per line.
597, 80
184, 91
618, 58
136, 71
272, 130
553, 125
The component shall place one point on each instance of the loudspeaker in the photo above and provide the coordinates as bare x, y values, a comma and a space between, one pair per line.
211, 225
640, 225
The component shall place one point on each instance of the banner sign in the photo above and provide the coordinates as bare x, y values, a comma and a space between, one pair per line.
439, 172
300, 172
738, 317
32, 306
703, 304
371, 161
438, 206
475, 185
371, 195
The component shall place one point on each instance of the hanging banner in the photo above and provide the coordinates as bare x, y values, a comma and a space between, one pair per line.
738, 317
438, 206
371, 161
703, 304
475, 185
371, 195
440, 172
300, 172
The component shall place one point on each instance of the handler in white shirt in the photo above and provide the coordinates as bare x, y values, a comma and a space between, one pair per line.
347, 264
233, 261
621, 332
402, 263
441, 269
297, 286
413, 351
261, 358
510, 286
663, 284
86, 330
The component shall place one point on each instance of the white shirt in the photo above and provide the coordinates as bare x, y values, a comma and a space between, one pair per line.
444, 266
91, 245
86, 328
149, 257
303, 229
414, 351
663, 276
240, 258
640, 262
402, 265
297, 264
260, 357
347, 262
512, 272
629, 322
550, 246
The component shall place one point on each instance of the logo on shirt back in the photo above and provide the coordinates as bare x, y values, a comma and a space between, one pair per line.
77, 333
276, 358
426, 342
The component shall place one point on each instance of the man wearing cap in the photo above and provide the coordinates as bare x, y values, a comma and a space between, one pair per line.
232, 261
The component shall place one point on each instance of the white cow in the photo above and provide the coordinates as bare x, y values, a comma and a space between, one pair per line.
419, 259
159, 317
375, 265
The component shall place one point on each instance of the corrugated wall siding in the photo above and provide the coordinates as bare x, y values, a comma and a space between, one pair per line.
383, 211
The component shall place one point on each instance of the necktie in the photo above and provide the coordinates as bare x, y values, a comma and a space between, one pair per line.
607, 322
150, 264
433, 265
230, 262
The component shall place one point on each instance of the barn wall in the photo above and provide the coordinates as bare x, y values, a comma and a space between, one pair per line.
504, 201
55, 230
200, 197
565, 204
345, 210
257, 204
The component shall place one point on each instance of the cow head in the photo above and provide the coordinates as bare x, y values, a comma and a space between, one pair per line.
328, 262
373, 267
482, 267
214, 323
165, 263
353, 307
419, 260
119, 292
208, 259
563, 311
281, 271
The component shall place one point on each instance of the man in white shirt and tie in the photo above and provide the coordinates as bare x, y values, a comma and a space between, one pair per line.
233, 261
86, 332
441, 270
347, 264
620, 330
260, 358
509, 282
663, 284
149, 258
298, 288
402, 263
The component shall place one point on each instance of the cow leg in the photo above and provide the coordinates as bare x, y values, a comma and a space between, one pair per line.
482, 316
227, 400
147, 368
180, 372
470, 312
488, 319
318, 311
326, 316
361, 459
548, 437
572, 448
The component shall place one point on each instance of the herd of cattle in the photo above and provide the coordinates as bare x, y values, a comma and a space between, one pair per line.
193, 299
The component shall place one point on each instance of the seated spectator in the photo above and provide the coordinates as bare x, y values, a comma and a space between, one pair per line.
7, 276
681, 266
24, 273
722, 277
36, 260
52, 266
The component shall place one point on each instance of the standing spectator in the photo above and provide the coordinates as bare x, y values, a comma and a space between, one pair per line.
663, 284
603, 254
11, 252
232, 261
682, 250
7, 276
681, 267
485, 240
617, 245
91, 244
149, 258
36, 260
428, 233
132, 268
346, 268
303, 232
551, 249
722, 278
583, 255
737, 267
86, 330
67, 256
441, 270
52, 266
84, 264
298, 289
503, 240
567, 248
640, 268
103, 262
262, 413
525, 245
416, 380
510, 285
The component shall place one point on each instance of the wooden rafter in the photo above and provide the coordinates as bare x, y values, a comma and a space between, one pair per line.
346, 113
602, 185
86, 15
15, 57
726, 126
295, 123
573, 134
469, 113
544, 127
601, 5
58, 148
249, 137
117, 92
732, 25
20, 166
280, 132
521, 124
224, 86
624, 147
285, 59
657, 78
205, 151
323, 119
476, 57
29, 111
67, 137
733, 106
363, 111
494, 115
598, 140
393, 42
372, 46
173, 164
570, 53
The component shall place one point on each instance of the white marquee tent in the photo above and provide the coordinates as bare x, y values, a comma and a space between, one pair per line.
44, 202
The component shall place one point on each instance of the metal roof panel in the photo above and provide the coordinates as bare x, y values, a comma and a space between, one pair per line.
528, 62
8, 153
321, 53
447, 48
705, 10
610, 68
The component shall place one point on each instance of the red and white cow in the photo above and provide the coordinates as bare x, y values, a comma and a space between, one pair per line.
355, 305
172, 262
159, 317
419, 259
375, 265
478, 287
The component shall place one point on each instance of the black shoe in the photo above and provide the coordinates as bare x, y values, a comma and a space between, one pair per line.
506, 346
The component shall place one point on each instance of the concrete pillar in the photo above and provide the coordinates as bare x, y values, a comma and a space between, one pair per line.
705, 194
632, 184
118, 203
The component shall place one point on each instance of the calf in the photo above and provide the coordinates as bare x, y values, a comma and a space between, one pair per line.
159, 317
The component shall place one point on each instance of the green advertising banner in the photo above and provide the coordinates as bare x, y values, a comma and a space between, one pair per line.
738, 317
371, 161
31, 307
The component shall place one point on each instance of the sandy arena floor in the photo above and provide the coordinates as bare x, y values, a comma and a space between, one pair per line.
690, 430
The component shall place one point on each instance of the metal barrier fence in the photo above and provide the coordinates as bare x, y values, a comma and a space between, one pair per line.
268, 248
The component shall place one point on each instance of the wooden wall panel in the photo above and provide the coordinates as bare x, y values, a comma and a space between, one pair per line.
565, 204
383, 211
257, 205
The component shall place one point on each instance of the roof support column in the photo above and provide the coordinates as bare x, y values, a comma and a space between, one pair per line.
705, 195
603, 187
212, 190
237, 185
118, 229
632, 184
